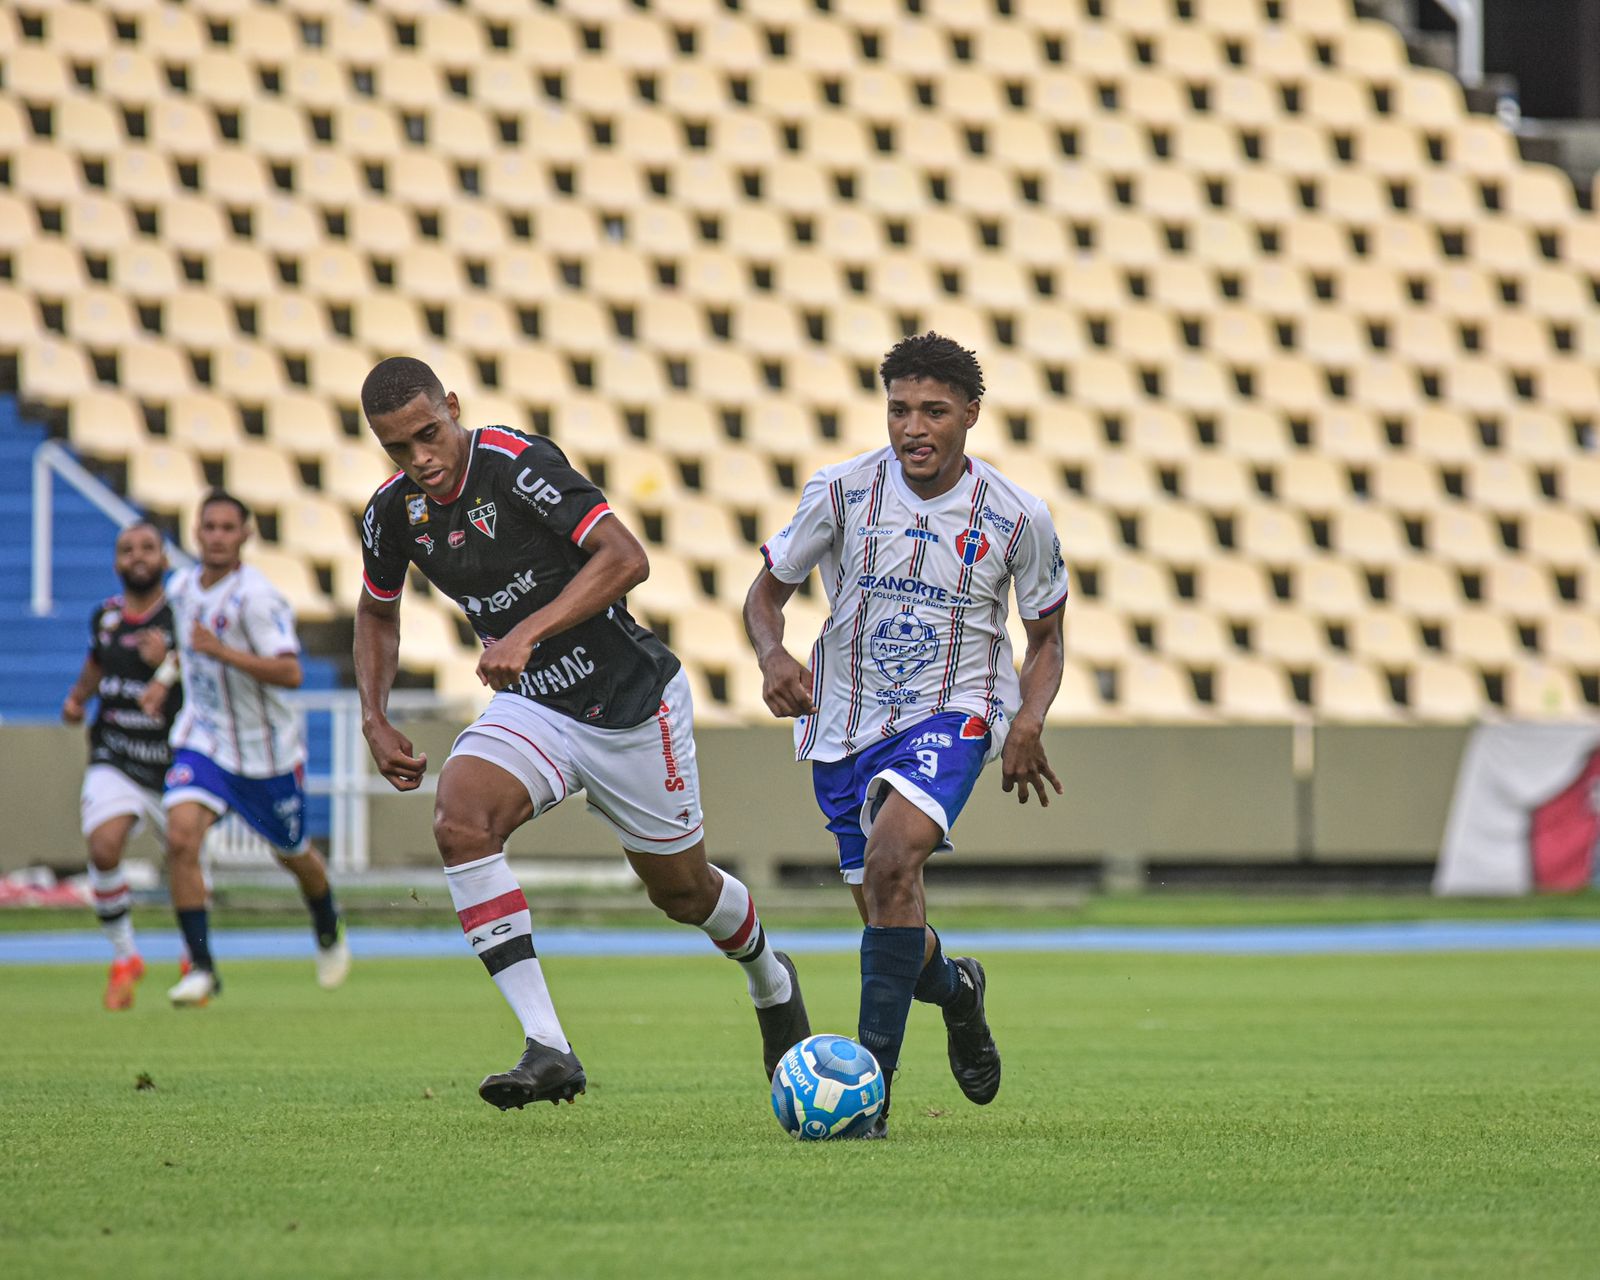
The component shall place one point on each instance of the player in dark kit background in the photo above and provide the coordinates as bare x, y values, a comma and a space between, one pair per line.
129, 636
585, 697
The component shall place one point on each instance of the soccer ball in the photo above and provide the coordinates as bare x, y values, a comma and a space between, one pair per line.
827, 1087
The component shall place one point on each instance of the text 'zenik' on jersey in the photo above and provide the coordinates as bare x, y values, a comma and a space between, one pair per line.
918, 593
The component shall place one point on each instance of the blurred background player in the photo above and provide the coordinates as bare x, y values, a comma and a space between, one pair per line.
129, 635
584, 697
237, 743
911, 688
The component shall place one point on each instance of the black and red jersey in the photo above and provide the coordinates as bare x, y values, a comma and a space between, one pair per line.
504, 545
121, 734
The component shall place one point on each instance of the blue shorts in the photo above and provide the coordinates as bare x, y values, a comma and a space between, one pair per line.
274, 807
934, 764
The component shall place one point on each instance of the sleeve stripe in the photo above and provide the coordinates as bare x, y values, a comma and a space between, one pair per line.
589, 521
378, 593
501, 441
766, 555
1049, 609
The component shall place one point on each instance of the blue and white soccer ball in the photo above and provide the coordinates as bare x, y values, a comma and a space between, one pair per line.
827, 1087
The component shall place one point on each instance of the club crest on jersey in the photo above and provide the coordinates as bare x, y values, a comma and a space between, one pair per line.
483, 518
426, 543
972, 545
975, 727
417, 509
902, 646
458, 537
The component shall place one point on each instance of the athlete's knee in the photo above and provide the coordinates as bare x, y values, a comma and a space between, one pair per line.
105, 848
891, 873
686, 903
461, 837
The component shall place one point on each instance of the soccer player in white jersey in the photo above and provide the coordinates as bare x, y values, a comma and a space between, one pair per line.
911, 689
236, 744
585, 698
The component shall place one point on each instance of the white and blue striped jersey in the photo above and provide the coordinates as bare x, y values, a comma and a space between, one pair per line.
918, 595
234, 720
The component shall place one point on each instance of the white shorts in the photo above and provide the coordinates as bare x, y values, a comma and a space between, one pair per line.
109, 793
643, 782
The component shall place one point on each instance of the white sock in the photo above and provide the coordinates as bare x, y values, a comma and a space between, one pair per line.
736, 929
494, 916
111, 903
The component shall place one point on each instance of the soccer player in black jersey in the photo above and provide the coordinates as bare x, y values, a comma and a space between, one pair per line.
129, 636
585, 697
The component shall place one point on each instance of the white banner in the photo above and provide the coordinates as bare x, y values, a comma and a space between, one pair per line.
1525, 817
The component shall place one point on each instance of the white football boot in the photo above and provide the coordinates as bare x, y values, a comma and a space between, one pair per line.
333, 963
194, 989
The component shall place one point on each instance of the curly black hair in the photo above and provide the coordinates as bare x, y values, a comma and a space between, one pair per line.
932, 355
395, 383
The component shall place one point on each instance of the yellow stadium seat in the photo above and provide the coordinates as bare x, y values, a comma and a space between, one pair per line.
1518, 589
428, 638
1540, 195
1384, 386
1335, 101
1216, 481
1193, 636
1152, 690
1481, 147
1466, 292
1571, 637
1175, 534
1514, 338
101, 318
1556, 293
1569, 386
103, 424
1384, 636
1250, 689
1538, 691
163, 477
1441, 690
204, 423
1188, 52
1553, 536
586, 424
730, 45
315, 80
1079, 699
352, 471
1288, 636
1502, 485
1350, 691
1405, 243
1152, 98
333, 273
1370, 49
1232, 587
265, 478
1424, 338
1292, 385
1405, 484
152, 371
1446, 197
1536, 435
1271, 533
1424, 589
1389, 148
1367, 536
1311, 483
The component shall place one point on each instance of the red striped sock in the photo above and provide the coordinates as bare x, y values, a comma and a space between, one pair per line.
494, 916
736, 929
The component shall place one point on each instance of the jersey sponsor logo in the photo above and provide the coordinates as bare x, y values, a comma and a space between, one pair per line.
923, 535
555, 677
875, 531
975, 727
426, 543
972, 545
180, 775
1003, 523
503, 599
417, 509
371, 530
674, 780
457, 537
1057, 564
897, 697
902, 646
538, 490
855, 495
888, 586
933, 738
483, 518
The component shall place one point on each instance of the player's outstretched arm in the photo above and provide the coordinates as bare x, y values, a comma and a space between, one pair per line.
77, 701
785, 683
377, 658
1023, 763
616, 565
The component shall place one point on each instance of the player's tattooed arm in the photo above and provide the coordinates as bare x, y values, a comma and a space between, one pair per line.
617, 564
77, 701
785, 682
1023, 763
377, 658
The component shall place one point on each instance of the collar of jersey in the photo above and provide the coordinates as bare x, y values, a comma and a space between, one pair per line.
962, 488
472, 455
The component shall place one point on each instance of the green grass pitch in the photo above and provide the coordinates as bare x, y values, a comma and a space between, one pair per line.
1161, 1116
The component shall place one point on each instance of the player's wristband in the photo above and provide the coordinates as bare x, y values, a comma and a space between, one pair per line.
167, 672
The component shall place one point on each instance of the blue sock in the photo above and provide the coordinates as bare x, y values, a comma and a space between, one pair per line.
324, 919
196, 936
939, 983
891, 960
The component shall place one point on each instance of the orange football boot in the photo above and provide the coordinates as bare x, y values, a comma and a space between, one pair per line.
125, 975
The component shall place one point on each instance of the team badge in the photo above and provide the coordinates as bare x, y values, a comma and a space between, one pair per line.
975, 727
483, 518
426, 543
903, 645
417, 509
457, 537
972, 545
